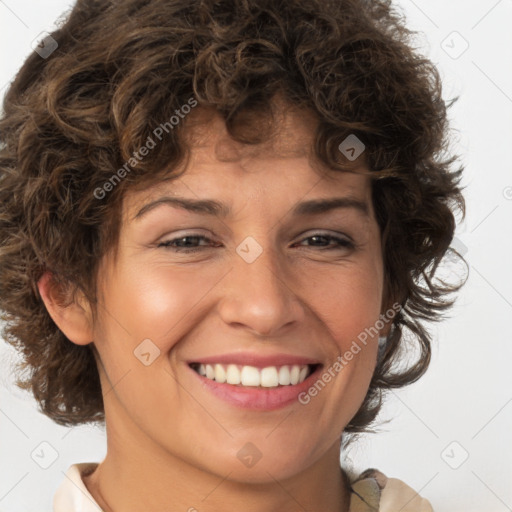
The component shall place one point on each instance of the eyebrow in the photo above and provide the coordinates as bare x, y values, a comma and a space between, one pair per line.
214, 208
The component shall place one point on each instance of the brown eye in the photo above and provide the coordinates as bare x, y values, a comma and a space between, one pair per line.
187, 243
323, 241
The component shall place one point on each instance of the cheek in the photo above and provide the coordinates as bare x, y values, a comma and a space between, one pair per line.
349, 305
351, 314
157, 302
348, 301
144, 312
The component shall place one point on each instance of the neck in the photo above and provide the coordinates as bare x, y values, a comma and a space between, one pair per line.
136, 476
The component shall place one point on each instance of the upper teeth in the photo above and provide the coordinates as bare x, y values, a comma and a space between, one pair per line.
269, 377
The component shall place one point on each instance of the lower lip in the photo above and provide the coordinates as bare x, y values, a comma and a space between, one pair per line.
261, 399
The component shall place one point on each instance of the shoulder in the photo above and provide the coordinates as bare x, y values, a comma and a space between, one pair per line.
373, 490
72, 494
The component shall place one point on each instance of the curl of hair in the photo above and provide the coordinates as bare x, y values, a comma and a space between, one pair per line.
122, 68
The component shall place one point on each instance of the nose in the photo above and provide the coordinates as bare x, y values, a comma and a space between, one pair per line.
258, 296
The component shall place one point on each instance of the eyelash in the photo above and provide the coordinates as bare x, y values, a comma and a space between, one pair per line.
342, 243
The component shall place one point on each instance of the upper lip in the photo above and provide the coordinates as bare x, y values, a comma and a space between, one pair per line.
256, 360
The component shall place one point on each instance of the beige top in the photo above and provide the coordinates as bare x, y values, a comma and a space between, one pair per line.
371, 492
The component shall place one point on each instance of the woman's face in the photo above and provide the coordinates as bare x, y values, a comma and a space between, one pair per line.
240, 269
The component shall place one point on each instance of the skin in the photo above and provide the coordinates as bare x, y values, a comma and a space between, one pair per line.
172, 445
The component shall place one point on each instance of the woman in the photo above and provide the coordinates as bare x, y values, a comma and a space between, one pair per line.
218, 221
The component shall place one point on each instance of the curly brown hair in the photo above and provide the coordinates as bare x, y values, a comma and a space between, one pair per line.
121, 68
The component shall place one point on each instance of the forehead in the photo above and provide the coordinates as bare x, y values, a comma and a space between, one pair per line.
220, 165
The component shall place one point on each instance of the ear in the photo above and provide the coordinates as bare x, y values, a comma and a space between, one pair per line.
71, 314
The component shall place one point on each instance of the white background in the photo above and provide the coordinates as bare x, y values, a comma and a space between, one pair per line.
466, 395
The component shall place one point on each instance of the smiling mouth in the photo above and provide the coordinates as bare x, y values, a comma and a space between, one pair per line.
251, 376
